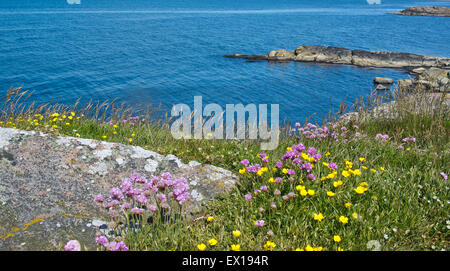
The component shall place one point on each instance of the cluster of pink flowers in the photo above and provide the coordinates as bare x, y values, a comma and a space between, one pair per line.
138, 190
72, 245
111, 245
406, 140
131, 121
382, 137
335, 132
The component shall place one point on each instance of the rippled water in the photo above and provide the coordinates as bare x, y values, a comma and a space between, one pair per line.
165, 52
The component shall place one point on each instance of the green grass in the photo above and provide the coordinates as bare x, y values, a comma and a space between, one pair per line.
404, 208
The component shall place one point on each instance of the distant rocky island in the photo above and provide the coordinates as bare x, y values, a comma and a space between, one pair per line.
425, 11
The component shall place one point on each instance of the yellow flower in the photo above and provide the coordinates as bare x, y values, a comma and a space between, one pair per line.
115, 126
212, 242
337, 238
328, 153
133, 135
318, 248
72, 113
340, 249
362, 159
364, 167
337, 184
114, 133
104, 137
356, 172
236, 233
318, 216
360, 190
242, 171
299, 249
235, 247
284, 170
303, 192
311, 192
269, 245
373, 170
381, 169
288, 149
299, 188
330, 194
201, 247
364, 184
348, 164
343, 219
355, 215
309, 248
130, 140
271, 180
260, 172
346, 173
348, 205
210, 219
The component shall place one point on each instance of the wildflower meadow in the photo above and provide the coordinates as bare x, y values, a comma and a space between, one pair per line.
367, 183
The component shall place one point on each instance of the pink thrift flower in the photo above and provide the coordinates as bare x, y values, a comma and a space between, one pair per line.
259, 223
72, 245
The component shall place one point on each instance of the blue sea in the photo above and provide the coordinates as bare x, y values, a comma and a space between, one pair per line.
166, 52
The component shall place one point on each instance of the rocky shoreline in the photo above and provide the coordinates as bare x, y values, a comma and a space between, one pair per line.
425, 11
431, 72
361, 58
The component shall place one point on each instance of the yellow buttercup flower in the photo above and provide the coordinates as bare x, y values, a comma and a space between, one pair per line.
340, 249
360, 190
356, 172
242, 171
311, 192
309, 248
330, 194
355, 215
201, 247
303, 192
212, 242
236, 233
210, 219
348, 205
343, 219
346, 173
337, 184
362, 159
318, 216
269, 245
337, 238
235, 247
299, 188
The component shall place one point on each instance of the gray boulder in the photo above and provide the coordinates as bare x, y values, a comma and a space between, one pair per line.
47, 185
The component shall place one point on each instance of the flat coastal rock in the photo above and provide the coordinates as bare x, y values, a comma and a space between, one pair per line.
47, 185
337, 55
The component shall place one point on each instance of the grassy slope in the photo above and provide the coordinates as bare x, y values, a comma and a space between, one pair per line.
404, 208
